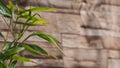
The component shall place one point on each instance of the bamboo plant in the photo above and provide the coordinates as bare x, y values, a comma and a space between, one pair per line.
12, 14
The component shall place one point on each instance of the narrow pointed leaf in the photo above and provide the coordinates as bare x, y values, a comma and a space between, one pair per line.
6, 46
25, 24
4, 10
34, 23
9, 45
3, 64
35, 49
19, 58
47, 38
11, 7
13, 64
14, 50
37, 9
55, 43
39, 21
33, 20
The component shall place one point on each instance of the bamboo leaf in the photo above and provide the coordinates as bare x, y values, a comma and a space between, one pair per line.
3, 64
9, 45
25, 24
35, 49
13, 50
37, 9
4, 10
11, 7
19, 58
6, 46
55, 43
47, 38
34, 20
39, 21
13, 64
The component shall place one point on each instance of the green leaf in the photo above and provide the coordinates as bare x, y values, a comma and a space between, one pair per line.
37, 9
19, 58
4, 10
13, 64
39, 21
25, 24
11, 7
52, 40
41, 35
35, 49
33, 20
33, 23
47, 38
13, 51
3, 64
9, 45
6, 46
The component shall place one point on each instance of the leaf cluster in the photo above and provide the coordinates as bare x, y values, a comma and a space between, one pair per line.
9, 55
